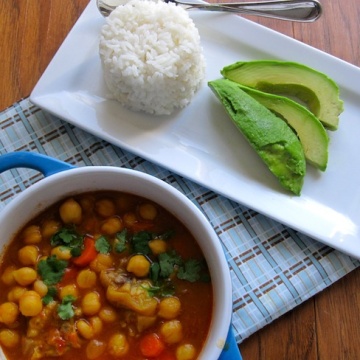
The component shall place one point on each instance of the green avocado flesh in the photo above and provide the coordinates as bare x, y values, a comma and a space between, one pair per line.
318, 91
271, 137
311, 132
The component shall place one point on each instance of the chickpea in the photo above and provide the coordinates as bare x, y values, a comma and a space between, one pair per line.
32, 235
158, 246
70, 212
102, 262
185, 352
9, 312
70, 289
108, 314
25, 276
30, 303
124, 202
85, 329
171, 331
28, 255
8, 275
129, 219
139, 265
112, 225
169, 307
95, 349
147, 211
15, 293
105, 208
87, 203
118, 345
86, 279
40, 287
49, 228
88, 329
61, 252
9, 338
97, 324
90, 304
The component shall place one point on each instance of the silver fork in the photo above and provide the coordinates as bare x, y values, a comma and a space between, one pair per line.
292, 10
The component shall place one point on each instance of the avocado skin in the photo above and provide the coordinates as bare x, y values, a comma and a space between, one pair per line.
309, 129
317, 90
270, 136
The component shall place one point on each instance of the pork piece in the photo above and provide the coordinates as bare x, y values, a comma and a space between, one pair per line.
133, 295
113, 277
127, 292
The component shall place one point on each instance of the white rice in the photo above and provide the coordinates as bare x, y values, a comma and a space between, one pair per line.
151, 56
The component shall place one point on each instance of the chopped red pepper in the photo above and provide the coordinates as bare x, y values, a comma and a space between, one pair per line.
69, 276
88, 254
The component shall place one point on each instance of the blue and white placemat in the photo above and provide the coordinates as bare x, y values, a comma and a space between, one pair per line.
273, 267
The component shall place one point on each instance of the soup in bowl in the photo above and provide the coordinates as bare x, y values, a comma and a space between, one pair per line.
104, 262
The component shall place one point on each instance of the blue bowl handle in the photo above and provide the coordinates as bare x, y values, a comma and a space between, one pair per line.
43, 163
231, 350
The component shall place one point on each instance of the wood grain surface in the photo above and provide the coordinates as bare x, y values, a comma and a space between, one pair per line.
325, 327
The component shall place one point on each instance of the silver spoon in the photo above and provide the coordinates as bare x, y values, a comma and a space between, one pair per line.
293, 10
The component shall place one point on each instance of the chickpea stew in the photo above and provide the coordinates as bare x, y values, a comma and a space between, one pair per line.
104, 275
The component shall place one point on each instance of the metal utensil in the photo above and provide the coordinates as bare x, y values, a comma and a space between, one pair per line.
292, 10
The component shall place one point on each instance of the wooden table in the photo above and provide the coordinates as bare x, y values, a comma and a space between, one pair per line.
326, 326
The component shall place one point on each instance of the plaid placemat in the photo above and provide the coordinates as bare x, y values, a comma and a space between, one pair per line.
273, 267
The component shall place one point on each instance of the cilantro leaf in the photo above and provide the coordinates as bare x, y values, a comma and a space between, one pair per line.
102, 245
49, 297
69, 238
76, 251
190, 271
154, 271
120, 243
65, 309
167, 263
161, 289
166, 235
140, 242
167, 288
52, 270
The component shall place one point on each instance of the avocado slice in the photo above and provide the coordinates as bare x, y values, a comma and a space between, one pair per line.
271, 137
309, 129
317, 90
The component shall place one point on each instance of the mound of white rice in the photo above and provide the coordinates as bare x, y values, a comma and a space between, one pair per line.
151, 56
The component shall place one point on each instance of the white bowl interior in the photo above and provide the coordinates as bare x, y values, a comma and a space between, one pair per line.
51, 189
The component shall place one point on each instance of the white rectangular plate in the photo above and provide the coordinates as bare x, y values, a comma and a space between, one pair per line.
201, 143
